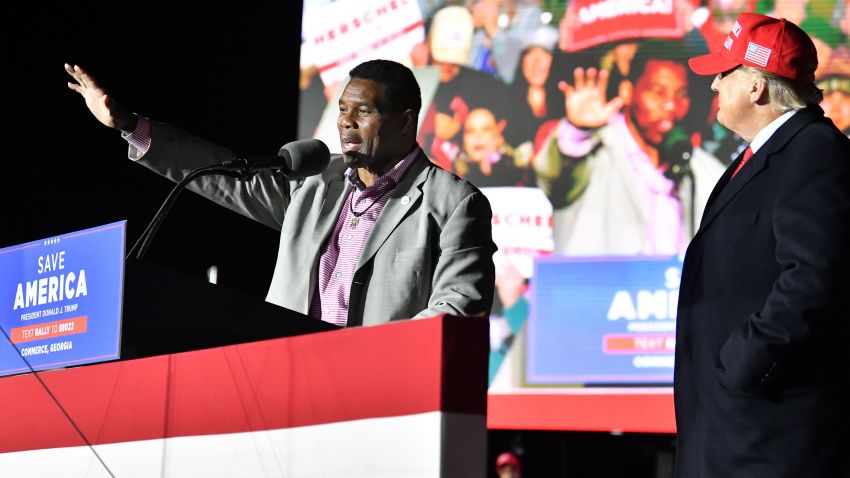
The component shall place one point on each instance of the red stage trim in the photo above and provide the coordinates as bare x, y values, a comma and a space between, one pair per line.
628, 411
282, 383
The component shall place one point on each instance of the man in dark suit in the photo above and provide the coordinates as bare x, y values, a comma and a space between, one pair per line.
761, 380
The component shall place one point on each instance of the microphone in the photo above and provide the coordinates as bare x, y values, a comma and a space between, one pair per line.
676, 152
297, 159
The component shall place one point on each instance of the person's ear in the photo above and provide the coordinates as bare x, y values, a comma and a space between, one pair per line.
759, 90
500, 126
410, 120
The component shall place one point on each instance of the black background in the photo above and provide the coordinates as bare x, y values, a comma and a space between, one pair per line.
225, 72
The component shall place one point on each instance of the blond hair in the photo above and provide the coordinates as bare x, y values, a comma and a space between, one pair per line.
787, 94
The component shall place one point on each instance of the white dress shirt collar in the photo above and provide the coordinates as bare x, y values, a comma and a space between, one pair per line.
762, 136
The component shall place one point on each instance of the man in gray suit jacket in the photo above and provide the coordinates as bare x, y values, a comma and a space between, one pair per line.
382, 234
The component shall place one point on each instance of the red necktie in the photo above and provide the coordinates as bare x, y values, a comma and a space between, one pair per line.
747, 155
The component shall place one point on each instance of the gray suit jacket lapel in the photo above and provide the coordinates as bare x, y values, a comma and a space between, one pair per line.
395, 210
331, 207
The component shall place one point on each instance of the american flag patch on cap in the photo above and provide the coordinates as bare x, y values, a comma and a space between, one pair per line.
728, 43
757, 54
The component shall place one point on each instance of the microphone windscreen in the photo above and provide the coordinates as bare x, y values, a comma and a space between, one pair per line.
305, 157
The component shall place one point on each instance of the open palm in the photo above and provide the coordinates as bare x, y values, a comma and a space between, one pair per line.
584, 101
102, 106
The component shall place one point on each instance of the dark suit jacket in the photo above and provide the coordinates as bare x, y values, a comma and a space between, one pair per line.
761, 379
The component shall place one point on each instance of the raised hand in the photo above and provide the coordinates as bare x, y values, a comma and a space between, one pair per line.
585, 102
100, 103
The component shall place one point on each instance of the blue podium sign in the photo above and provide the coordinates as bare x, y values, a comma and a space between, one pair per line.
60, 300
603, 321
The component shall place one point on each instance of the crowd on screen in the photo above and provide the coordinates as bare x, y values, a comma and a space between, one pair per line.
620, 137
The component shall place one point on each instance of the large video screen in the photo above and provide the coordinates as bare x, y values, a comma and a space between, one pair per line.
597, 148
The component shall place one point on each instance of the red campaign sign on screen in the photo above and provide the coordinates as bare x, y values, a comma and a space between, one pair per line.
592, 22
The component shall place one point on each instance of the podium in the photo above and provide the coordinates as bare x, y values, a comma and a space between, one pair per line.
402, 399
166, 311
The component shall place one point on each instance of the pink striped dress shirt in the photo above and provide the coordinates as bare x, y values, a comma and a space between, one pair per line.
341, 252
140, 138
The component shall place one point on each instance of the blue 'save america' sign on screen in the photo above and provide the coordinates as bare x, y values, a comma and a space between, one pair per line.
60, 299
602, 321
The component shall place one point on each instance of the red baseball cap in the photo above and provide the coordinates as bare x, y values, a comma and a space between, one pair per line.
775, 45
507, 458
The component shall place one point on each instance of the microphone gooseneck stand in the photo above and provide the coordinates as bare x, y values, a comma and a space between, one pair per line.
145, 239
